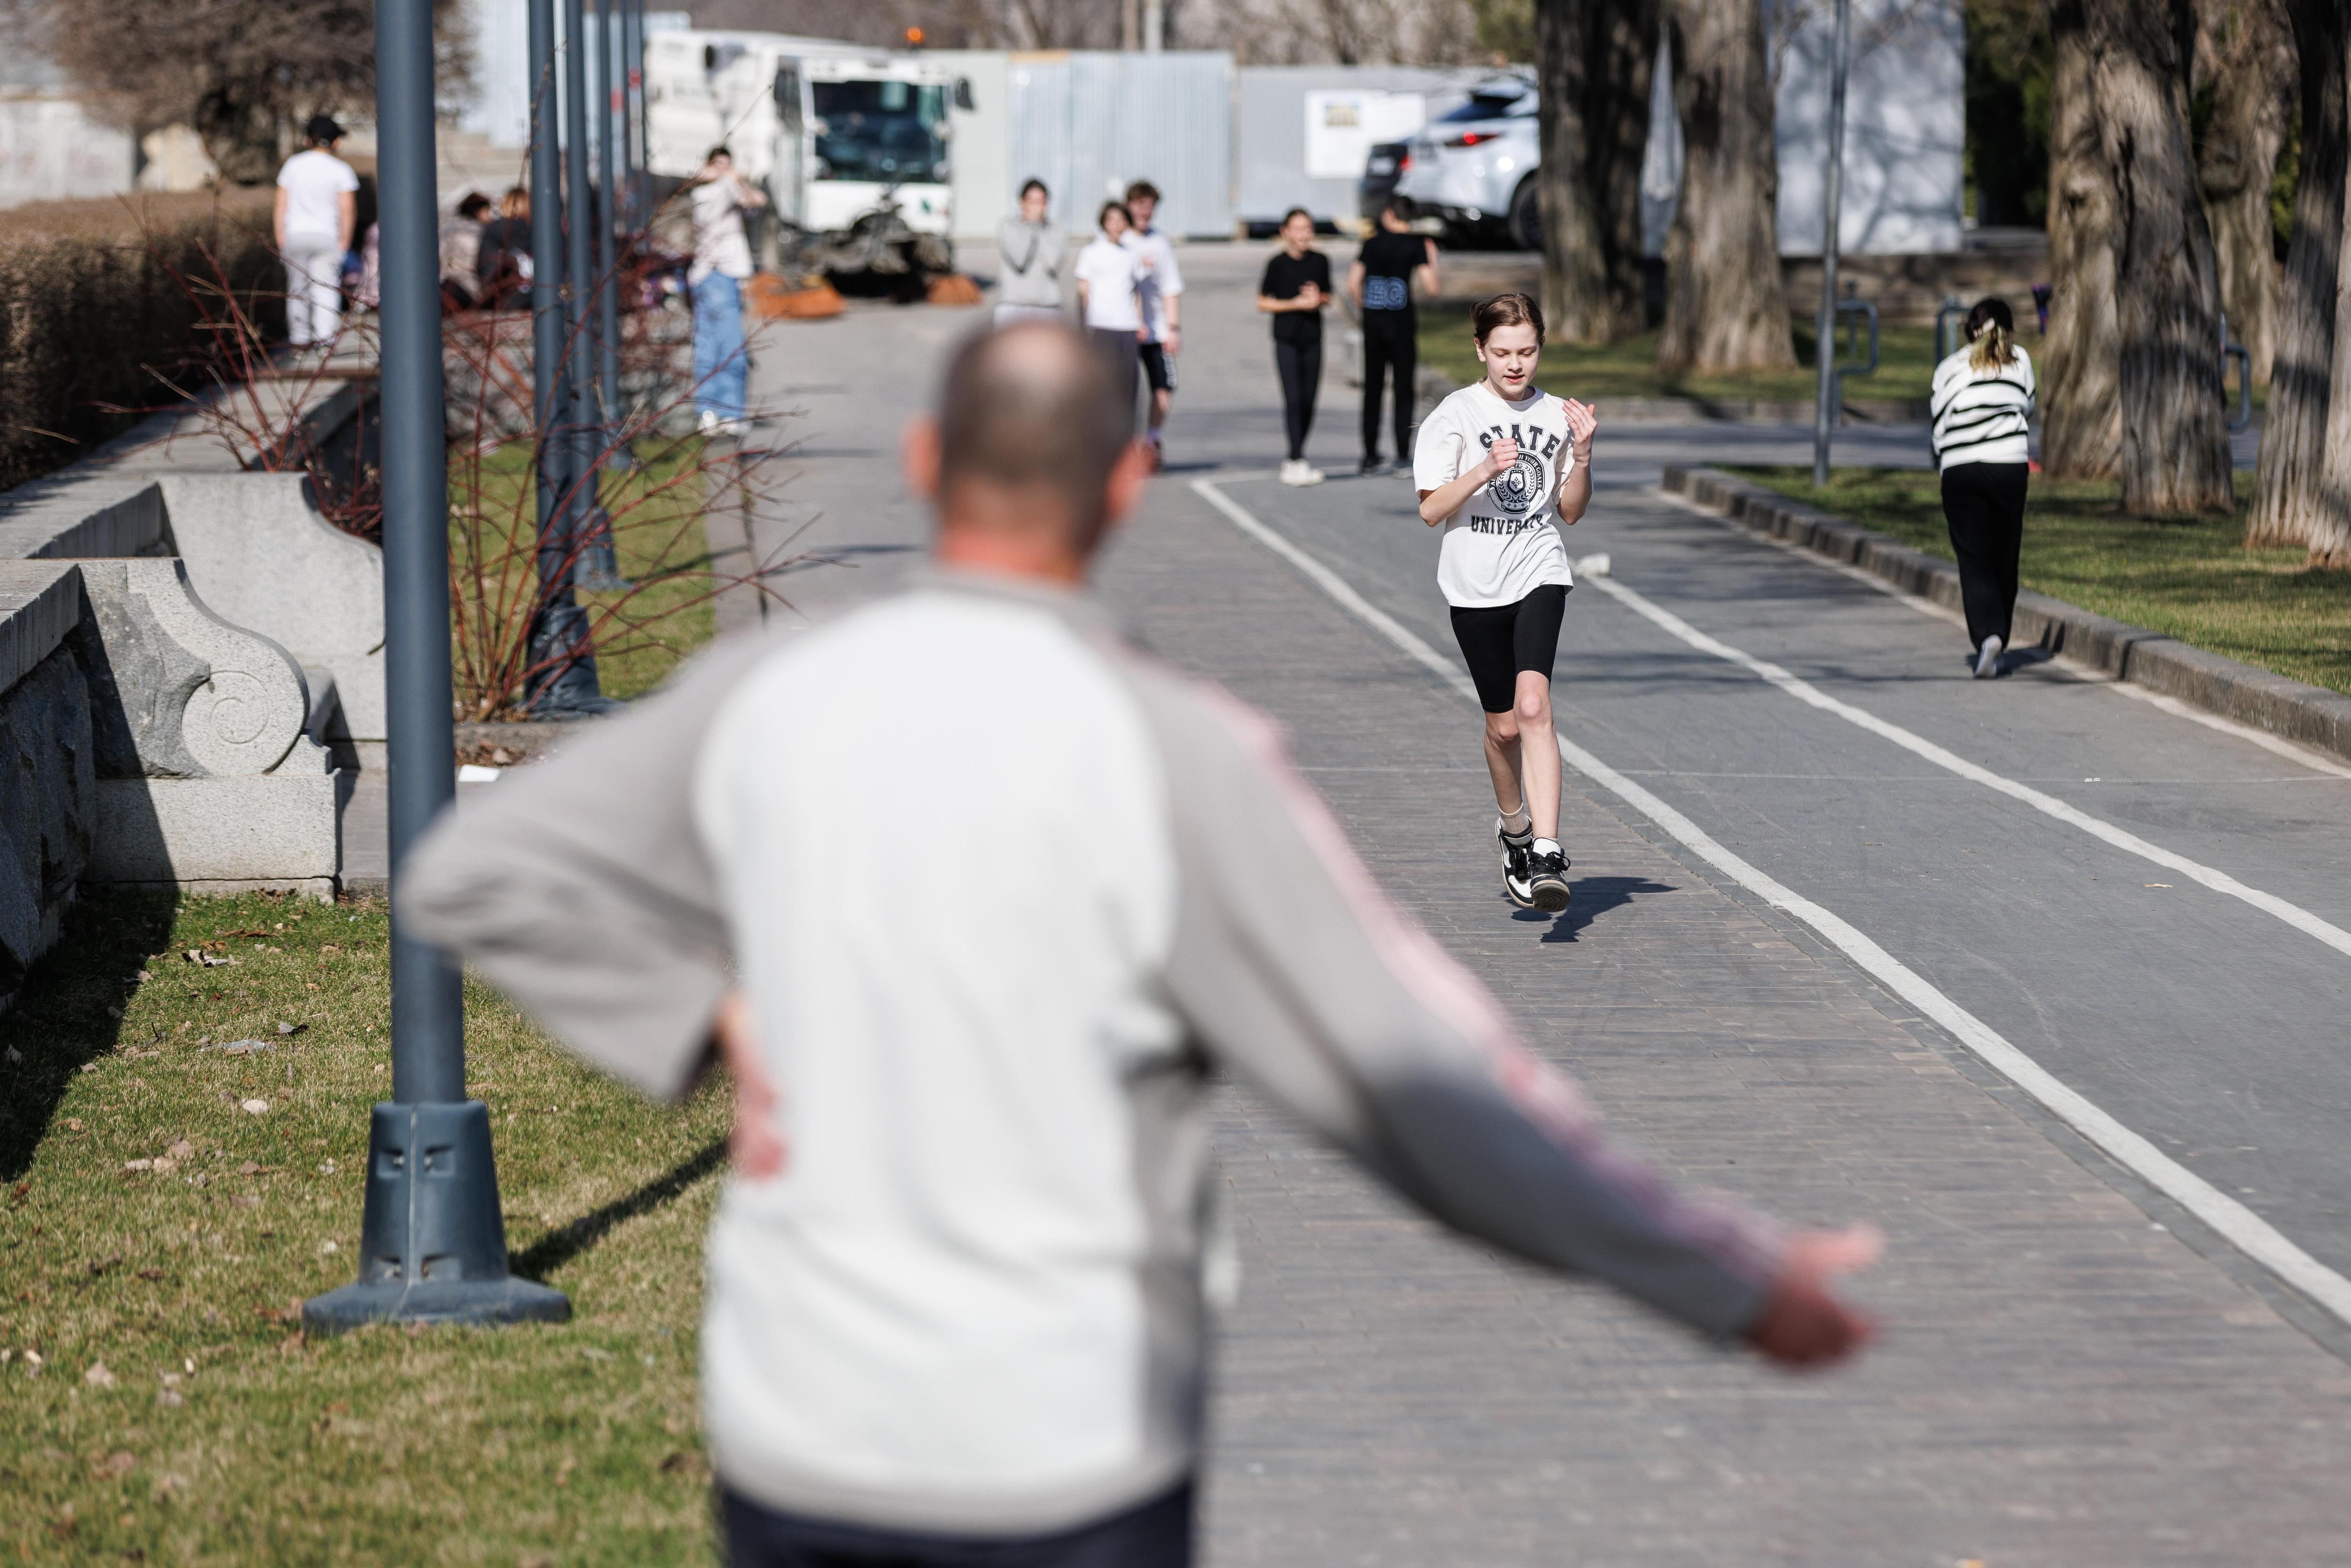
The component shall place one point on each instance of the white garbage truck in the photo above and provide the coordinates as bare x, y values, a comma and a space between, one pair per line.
850, 144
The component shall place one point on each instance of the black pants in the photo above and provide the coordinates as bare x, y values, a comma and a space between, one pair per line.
1119, 346
1984, 503
1299, 361
1156, 1534
1390, 339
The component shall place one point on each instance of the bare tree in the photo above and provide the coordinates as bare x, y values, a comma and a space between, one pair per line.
2304, 493
1593, 60
2244, 54
2129, 234
244, 73
1724, 308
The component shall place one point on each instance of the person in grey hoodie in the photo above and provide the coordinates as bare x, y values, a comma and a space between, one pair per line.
956, 1308
1031, 288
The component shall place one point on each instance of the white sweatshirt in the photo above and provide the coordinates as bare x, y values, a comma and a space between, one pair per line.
990, 980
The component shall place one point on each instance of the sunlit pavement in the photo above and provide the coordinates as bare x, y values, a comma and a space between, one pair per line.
2074, 1370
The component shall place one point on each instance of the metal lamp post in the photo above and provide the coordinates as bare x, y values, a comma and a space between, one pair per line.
565, 684
1824, 331
433, 1242
590, 529
613, 97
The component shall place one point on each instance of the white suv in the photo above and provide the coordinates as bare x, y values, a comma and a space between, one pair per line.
1475, 167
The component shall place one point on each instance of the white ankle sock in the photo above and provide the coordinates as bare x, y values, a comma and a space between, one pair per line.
1517, 824
1546, 846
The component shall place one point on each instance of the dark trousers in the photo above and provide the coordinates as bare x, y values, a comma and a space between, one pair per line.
1299, 362
1984, 503
1156, 1534
1120, 347
1390, 341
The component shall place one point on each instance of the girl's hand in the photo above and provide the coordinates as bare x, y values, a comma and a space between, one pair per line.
1500, 458
1582, 421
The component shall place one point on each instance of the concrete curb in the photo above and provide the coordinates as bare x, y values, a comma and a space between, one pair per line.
2292, 710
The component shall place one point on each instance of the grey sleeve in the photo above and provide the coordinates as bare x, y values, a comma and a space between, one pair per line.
580, 888
1293, 968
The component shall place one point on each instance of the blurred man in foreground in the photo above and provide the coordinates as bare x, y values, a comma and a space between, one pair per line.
954, 1307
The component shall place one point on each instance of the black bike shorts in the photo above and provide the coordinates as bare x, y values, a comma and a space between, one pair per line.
1157, 368
1509, 638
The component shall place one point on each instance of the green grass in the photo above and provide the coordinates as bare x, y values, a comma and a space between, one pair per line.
575, 1443
2190, 577
1628, 368
657, 533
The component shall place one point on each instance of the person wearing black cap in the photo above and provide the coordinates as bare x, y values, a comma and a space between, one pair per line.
318, 213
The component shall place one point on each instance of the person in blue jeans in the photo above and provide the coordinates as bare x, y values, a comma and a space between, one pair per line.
722, 260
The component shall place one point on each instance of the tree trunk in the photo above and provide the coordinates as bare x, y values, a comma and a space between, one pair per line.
2245, 49
2127, 233
1593, 60
1725, 311
2304, 493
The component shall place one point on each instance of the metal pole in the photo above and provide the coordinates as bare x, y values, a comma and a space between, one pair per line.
1824, 330
430, 1249
563, 684
614, 96
633, 60
587, 525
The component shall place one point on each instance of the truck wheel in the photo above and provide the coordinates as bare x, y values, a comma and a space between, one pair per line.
1526, 217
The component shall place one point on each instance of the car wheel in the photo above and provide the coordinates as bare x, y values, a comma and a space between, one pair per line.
1526, 217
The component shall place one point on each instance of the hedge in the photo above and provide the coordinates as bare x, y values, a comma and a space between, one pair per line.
105, 306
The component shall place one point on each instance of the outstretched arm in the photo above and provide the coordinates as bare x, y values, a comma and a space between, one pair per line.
1293, 968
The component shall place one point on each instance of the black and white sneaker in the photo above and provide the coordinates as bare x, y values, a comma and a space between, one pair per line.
1547, 887
1514, 847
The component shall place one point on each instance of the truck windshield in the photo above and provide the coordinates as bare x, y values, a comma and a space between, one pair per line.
886, 132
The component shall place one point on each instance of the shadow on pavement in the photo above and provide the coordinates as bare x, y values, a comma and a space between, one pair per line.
1596, 896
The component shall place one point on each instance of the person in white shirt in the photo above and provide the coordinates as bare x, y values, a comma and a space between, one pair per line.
317, 214
1501, 465
1163, 307
1982, 404
722, 262
1111, 275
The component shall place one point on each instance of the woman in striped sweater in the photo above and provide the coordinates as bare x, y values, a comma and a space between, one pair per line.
1982, 404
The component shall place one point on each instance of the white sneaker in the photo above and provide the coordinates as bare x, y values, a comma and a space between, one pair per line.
1988, 659
1313, 476
1293, 472
709, 423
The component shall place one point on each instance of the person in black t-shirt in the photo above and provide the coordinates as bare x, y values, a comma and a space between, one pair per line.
1294, 290
1381, 282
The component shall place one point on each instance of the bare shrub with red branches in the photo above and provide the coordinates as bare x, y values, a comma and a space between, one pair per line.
656, 479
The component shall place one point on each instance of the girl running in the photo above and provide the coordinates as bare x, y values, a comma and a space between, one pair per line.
1502, 467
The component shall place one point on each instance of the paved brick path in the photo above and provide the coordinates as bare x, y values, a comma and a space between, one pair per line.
2062, 1382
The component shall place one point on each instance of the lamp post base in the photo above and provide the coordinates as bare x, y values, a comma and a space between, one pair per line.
507, 1300
432, 1244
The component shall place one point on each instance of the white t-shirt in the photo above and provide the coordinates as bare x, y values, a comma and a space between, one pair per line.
313, 182
1165, 279
720, 245
1503, 542
1111, 273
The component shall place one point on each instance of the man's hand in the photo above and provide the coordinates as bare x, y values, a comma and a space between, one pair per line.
1309, 297
1803, 1325
755, 1144
1173, 343
1583, 420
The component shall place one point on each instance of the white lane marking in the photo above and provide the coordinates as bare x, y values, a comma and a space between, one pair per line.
2240, 1226
1803, 690
2302, 755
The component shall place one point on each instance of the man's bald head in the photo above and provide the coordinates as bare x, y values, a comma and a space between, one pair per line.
1033, 410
